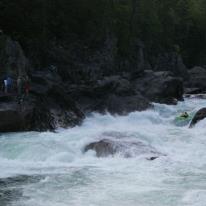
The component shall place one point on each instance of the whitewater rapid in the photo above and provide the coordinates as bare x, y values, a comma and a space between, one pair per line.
51, 169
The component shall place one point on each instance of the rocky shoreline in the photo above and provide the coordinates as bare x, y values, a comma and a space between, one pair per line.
56, 100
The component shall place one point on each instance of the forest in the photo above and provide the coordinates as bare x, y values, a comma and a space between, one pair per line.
163, 25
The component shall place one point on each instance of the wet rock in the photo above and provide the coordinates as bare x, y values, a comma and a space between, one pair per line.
172, 62
61, 109
192, 91
64, 110
11, 120
124, 105
114, 84
29, 116
108, 147
102, 148
200, 115
160, 87
195, 96
197, 79
38, 115
113, 94
152, 158
42, 110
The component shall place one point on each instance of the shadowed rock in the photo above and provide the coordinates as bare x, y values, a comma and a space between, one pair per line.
160, 87
172, 62
127, 149
197, 80
200, 115
114, 94
42, 110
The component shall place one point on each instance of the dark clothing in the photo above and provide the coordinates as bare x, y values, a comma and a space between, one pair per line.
27, 88
9, 81
185, 115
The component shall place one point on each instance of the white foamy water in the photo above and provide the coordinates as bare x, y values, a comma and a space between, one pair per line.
50, 169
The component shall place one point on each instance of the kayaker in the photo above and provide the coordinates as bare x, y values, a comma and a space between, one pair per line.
184, 115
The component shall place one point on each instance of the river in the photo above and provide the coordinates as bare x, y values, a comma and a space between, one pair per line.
51, 169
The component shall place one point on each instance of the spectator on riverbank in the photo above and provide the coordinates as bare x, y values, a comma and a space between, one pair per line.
19, 86
9, 84
5, 85
27, 86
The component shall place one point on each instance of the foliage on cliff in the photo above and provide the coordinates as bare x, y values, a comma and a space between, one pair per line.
178, 25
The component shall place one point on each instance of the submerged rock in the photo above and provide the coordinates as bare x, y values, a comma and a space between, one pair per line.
200, 115
107, 147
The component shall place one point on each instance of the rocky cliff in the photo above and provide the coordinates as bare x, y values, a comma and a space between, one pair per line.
79, 81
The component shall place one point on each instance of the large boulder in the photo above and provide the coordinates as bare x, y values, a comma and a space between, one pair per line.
125, 148
189, 91
200, 115
123, 105
160, 87
37, 114
15, 117
114, 85
197, 79
11, 119
48, 87
114, 94
172, 62
47, 107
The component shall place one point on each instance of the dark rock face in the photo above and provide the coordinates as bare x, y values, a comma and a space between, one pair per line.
190, 91
102, 148
160, 87
124, 105
38, 114
200, 115
108, 147
80, 81
12, 58
197, 79
47, 107
171, 62
113, 94
62, 110
11, 120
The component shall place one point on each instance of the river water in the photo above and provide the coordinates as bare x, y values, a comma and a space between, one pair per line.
50, 169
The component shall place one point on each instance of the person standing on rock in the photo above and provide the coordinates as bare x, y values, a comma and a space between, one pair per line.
5, 85
19, 88
27, 86
9, 84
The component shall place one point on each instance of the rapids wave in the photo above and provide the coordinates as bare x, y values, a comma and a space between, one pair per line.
50, 169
